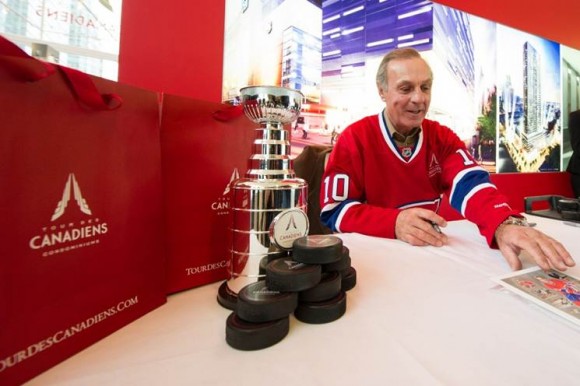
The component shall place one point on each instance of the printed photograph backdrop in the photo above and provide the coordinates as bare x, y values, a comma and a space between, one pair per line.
506, 93
529, 100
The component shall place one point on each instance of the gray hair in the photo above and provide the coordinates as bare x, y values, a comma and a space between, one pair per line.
399, 53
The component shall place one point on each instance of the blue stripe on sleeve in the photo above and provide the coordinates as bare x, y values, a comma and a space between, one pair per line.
330, 217
471, 180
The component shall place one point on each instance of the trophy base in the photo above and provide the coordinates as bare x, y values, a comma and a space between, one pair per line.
238, 281
226, 297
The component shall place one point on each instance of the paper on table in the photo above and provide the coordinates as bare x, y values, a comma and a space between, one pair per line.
553, 290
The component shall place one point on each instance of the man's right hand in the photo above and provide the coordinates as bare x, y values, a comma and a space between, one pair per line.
418, 226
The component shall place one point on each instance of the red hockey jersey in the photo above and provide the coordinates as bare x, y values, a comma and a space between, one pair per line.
367, 181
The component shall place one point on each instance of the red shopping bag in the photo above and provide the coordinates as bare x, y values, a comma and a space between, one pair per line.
80, 211
205, 146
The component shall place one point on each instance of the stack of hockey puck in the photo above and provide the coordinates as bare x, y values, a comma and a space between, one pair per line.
261, 318
311, 283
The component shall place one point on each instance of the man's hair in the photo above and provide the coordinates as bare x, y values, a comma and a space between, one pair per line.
399, 53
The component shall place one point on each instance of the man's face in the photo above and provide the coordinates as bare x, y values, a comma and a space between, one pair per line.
408, 94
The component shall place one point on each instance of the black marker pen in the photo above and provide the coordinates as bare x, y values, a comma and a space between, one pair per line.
436, 227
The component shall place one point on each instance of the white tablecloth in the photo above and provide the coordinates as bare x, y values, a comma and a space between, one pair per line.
417, 316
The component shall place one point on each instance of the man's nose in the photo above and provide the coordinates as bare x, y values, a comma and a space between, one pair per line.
418, 95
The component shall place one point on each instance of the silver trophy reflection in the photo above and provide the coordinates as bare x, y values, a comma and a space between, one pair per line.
268, 205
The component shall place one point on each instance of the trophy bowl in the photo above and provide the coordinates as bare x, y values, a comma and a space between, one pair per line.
271, 104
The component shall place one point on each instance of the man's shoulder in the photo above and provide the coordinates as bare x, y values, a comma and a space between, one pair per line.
431, 124
437, 130
370, 121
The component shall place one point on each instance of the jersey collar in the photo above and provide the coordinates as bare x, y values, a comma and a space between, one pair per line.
387, 129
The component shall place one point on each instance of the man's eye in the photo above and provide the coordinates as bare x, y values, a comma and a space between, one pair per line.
426, 88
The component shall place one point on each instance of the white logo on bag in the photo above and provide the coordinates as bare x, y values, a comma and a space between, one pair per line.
66, 333
69, 235
222, 205
235, 175
66, 197
206, 268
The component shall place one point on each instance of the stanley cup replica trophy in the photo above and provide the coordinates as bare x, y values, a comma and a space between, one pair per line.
268, 206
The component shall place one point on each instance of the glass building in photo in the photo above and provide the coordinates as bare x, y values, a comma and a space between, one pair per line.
79, 34
355, 36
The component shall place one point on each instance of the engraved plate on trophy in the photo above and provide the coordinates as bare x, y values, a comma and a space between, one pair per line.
289, 225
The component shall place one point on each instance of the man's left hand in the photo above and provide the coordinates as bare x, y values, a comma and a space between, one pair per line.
546, 251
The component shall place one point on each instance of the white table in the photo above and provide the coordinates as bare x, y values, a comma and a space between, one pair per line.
418, 316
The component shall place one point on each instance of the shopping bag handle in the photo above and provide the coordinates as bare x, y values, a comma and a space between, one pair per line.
33, 70
86, 91
228, 113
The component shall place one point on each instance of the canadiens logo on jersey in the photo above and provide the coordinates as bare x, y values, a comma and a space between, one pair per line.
434, 167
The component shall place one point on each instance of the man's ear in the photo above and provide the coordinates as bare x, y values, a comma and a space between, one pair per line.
380, 90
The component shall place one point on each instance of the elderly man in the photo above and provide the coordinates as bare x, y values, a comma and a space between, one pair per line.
387, 172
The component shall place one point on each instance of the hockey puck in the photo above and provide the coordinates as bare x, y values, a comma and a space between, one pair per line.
348, 279
341, 265
263, 263
317, 249
226, 298
243, 335
289, 275
266, 259
273, 255
321, 312
328, 288
257, 303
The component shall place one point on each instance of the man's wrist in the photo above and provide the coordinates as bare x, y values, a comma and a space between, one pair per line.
511, 220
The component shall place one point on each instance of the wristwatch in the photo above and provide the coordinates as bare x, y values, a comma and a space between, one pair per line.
520, 221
